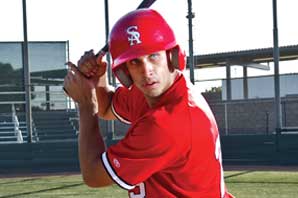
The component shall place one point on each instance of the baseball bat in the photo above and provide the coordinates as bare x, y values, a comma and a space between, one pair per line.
143, 4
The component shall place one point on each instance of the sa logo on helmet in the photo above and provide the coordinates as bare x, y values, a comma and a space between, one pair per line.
134, 35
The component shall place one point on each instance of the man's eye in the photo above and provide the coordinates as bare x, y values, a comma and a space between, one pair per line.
133, 62
154, 56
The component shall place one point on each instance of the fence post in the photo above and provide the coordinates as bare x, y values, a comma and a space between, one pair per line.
267, 123
226, 119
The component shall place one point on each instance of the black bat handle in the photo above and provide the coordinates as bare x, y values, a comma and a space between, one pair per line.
146, 4
102, 51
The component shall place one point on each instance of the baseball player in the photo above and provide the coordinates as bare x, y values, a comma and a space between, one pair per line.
172, 148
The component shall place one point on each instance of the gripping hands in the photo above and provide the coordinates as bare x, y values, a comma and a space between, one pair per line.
91, 65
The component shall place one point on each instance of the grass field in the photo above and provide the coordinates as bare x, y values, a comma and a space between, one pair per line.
243, 184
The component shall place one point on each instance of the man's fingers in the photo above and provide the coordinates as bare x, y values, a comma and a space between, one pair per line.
65, 91
71, 65
74, 68
89, 53
69, 77
89, 65
85, 58
101, 54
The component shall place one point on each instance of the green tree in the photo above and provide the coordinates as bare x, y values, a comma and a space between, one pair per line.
213, 90
11, 80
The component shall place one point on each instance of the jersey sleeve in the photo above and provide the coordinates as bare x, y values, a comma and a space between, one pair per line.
120, 105
145, 150
128, 104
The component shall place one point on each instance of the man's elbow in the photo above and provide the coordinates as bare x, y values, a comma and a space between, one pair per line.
101, 115
91, 183
96, 177
94, 182
106, 115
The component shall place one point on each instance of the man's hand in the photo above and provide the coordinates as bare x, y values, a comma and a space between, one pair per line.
80, 89
91, 66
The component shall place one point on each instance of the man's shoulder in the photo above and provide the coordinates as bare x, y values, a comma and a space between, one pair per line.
132, 91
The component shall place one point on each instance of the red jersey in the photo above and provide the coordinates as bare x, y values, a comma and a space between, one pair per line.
170, 150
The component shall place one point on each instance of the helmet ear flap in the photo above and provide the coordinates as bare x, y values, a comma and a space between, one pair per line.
123, 76
177, 58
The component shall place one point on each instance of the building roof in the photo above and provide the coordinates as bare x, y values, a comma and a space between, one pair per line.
253, 56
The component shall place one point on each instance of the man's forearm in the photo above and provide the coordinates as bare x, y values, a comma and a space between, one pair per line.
91, 143
104, 95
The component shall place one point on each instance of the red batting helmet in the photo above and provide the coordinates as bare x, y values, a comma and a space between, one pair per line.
139, 33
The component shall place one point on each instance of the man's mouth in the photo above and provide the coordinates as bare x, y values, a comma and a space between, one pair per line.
149, 84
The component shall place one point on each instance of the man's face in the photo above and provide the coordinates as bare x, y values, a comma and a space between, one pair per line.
151, 74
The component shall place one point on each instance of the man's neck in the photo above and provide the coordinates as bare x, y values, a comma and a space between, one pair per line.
152, 101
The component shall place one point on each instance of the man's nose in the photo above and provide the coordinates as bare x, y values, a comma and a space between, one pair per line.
147, 68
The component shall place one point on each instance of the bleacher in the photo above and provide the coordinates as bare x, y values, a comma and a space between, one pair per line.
11, 129
53, 147
55, 125
46, 126
9, 134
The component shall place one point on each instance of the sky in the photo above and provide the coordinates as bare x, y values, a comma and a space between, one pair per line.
218, 26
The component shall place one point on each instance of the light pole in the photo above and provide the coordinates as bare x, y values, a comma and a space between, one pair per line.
27, 80
276, 75
190, 16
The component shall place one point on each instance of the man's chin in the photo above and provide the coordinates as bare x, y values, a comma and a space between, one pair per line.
153, 93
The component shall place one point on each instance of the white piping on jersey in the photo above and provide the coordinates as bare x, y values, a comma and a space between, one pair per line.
119, 117
113, 174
